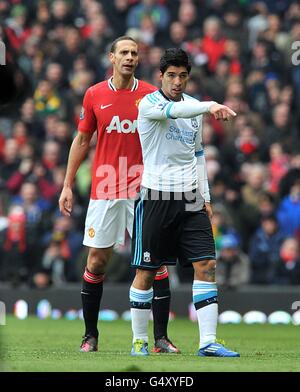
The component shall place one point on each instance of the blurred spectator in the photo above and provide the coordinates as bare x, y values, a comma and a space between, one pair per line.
2, 144
232, 264
46, 100
29, 116
35, 209
16, 30
83, 176
51, 154
152, 63
282, 129
257, 92
193, 87
55, 75
251, 216
20, 133
79, 82
98, 38
258, 22
117, 14
264, 250
274, 32
14, 244
293, 174
288, 213
177, 35
295, 37
61, 255
213, 43
70, 49
63, 136
267, 204
215, 85
187, 16
61, 13
158, 13
43, 15
222, 225
278, 166
255, 177
20, 176
233, 53
29, 52
234, 26
10, 159
288, 271
212, 162
244, 148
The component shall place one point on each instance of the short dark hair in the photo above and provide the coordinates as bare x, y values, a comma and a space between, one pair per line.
123, 38
176, 57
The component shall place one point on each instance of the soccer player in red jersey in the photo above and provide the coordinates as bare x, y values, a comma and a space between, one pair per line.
111, 108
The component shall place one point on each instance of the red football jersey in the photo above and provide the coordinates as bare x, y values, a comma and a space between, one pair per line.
117, 167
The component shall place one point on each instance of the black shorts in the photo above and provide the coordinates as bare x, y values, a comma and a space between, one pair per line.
170, 227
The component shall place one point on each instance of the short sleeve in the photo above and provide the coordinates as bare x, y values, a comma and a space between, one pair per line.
153, 109
87, 121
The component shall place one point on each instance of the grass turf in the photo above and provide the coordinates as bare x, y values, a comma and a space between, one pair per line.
52, 345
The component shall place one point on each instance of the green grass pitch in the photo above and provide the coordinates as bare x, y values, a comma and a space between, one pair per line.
52, 345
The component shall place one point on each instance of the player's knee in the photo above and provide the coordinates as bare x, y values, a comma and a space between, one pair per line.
144, 279
210, 271
206, 270
97, 261
212, 265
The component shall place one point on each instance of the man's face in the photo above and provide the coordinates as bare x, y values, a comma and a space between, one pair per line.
125, 58
174, 82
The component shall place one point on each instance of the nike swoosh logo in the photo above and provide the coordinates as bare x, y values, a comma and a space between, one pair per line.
161, 297
105, 106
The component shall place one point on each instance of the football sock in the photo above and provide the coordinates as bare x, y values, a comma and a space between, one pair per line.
205, 299
140, 302
161, 303
91, 294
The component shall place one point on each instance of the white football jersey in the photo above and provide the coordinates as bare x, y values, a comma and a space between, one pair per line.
170, 146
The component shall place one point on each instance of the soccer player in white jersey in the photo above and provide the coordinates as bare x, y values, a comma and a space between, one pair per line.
172, 215
110, 107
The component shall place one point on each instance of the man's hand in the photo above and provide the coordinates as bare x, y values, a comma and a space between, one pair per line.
66, 201
209, 210
221, 112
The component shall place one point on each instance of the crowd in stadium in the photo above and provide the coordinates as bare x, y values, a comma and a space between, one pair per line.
244, 54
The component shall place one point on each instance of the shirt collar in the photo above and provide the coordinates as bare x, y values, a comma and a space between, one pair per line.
133, 88
164, 95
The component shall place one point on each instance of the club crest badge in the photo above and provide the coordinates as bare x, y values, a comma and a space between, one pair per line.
81, 116
147, 257
194, 123
91, 232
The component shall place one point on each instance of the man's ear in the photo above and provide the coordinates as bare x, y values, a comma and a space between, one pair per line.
111, 57
160, 76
